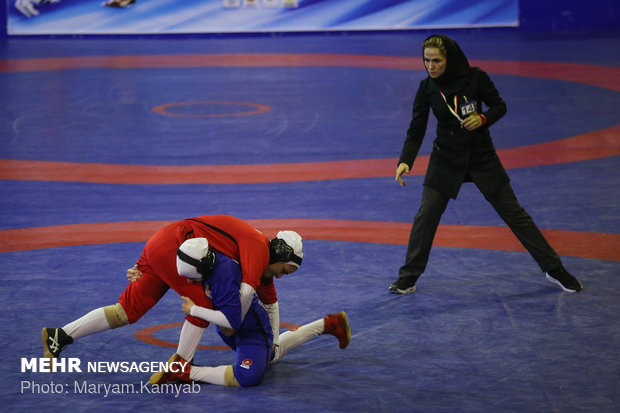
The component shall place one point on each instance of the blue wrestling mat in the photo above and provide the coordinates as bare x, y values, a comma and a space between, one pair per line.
105, 138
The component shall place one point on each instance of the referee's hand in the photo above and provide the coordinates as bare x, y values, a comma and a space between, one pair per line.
403, 168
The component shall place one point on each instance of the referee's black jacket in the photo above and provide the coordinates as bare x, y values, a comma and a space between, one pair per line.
458, 155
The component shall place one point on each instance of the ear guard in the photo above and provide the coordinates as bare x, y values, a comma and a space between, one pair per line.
280, 251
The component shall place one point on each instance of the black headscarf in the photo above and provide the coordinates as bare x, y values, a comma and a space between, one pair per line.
457, 67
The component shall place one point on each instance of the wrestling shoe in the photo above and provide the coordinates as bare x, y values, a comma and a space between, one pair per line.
173, 374
564, 279
54, 341
337, 325
403, 285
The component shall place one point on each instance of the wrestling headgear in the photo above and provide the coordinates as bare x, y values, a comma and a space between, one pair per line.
194, 259
286, 247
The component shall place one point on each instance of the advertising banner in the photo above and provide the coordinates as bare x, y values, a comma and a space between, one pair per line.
238, 16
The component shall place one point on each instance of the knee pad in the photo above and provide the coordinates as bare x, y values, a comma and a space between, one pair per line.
229, 378
115, 315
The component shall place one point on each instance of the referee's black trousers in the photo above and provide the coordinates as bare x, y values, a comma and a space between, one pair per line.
507, 206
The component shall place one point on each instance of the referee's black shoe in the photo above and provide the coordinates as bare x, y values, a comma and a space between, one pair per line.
564, 279
405, 285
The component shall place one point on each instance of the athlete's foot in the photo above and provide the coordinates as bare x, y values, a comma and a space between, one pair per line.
54, 341
337, 325
176, 372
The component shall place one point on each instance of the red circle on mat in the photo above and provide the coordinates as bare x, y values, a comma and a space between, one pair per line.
146, 335
165, 109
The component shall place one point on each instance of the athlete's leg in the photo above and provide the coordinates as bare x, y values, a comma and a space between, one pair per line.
100, 319
139, 297
291, 339
189, 339
335, 324
248, 369
252, 345
160, 254
220, 375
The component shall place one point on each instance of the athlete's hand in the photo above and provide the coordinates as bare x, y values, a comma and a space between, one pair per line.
403, 168
187, 305
133, 273
472, 122
227, 331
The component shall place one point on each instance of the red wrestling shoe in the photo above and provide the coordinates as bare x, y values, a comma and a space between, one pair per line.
337, 325
178, 370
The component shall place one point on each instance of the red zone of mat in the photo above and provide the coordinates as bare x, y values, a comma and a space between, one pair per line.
572, 243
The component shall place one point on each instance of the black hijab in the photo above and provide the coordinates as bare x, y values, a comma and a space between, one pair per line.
457, 67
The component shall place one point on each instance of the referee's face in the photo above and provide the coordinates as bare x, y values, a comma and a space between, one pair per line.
434, 61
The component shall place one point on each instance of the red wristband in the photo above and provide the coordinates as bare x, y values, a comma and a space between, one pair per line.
483, 118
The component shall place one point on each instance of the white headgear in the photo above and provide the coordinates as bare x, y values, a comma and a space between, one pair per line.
287, 247
194, 258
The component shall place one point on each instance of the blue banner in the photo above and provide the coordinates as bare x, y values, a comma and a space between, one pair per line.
235, 16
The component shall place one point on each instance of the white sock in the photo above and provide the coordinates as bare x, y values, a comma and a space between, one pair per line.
91, 323
189, 339
213, 375
290, 340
